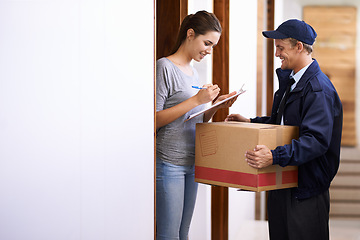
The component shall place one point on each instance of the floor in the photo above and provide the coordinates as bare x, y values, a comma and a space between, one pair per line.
344, 230
339, 230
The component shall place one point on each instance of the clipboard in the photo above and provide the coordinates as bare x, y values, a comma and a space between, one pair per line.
241, 91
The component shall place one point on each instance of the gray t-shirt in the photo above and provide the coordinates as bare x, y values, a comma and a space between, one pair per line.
175, 142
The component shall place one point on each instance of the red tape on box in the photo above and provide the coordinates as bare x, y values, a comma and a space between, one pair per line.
244, 179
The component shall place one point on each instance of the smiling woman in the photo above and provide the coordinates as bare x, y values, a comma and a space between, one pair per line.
176, 189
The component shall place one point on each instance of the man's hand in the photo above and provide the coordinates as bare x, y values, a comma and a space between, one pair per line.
261, 157
237, 118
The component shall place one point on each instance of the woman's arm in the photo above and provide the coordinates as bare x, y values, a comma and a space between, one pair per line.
169, 115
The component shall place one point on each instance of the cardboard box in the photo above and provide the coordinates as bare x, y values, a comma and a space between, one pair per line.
220, 155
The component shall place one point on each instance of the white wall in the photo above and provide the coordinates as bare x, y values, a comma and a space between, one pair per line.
242, 70
76, 133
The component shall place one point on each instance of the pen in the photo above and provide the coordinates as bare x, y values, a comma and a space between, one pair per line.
198, 87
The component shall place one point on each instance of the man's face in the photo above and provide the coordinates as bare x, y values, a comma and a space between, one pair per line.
287, 54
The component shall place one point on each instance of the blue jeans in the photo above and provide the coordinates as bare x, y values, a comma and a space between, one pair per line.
175, 200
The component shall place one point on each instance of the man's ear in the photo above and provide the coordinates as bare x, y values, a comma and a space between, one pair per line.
299, 46
190, 34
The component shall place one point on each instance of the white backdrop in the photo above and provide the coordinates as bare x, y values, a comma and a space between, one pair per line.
76, 120
242, 70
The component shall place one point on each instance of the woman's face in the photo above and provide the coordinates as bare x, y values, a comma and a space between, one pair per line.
202, 45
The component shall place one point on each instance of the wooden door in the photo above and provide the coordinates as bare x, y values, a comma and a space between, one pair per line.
169, 15
335, 51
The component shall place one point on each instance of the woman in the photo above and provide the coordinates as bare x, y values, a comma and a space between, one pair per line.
176, 99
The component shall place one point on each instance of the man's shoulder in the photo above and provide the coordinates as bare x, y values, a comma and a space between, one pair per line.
320, 82
316, 80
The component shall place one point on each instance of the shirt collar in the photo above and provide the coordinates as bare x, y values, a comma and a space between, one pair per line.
298, 75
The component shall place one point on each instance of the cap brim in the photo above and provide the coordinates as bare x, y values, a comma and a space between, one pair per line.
274, 34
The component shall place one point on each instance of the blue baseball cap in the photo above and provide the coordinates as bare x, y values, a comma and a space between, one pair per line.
293, 28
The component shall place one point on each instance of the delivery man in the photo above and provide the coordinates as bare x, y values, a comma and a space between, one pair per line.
306, 98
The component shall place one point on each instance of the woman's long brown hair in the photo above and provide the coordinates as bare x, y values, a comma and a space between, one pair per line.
201, 22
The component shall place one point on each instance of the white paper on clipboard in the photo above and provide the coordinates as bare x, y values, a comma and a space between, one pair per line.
241, 91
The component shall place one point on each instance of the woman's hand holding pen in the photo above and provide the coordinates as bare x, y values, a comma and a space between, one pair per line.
208, 93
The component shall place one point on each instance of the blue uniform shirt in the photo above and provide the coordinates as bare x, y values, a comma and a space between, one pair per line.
315, 107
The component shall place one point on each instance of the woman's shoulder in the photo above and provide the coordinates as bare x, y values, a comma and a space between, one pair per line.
165, 65
163, 62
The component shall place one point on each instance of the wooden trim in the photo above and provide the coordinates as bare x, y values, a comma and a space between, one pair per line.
219, 213
269, 68
257, 206
219, 195
168, 24
259, 54
154, 118
154, 100
183, 9
259, 82
221, 55
270, 58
